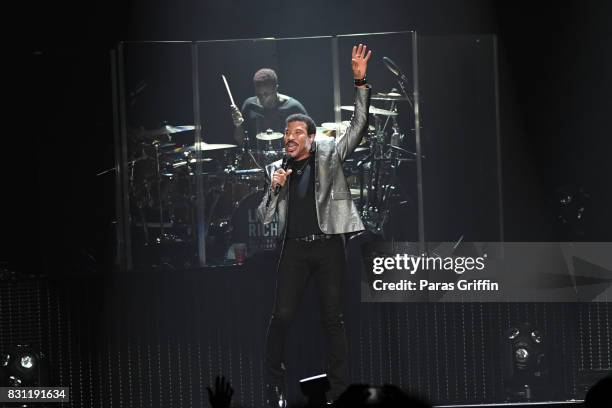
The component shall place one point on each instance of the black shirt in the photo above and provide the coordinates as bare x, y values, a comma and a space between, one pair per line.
257, 119
303, 219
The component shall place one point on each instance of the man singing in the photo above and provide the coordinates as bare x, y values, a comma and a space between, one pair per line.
315, 209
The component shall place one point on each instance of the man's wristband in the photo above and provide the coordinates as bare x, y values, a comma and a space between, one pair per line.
360, 82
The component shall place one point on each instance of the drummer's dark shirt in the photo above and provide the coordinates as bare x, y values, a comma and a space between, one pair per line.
258, 120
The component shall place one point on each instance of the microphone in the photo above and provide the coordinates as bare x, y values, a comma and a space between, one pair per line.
392, 66
284, 165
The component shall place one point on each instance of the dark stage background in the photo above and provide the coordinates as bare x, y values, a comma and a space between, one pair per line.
156, 338
553, 93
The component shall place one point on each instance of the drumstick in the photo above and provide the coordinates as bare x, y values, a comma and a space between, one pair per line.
228, 89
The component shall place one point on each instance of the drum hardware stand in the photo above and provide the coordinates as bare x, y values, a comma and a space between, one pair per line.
163, 236
384, 159
159, 194
392, 108
373, 218
396, 137
130, 163
362, 183
145, 228
255, 160
399, 75
389, 187
140, 201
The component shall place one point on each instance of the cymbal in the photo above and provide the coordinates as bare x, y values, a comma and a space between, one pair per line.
373, 110
166, 130
269, 135
208, 146
167, 146
391, 96
332, 128
335, 125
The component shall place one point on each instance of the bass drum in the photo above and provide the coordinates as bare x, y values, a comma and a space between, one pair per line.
247, 229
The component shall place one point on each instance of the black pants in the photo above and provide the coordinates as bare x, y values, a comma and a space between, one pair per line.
325, 261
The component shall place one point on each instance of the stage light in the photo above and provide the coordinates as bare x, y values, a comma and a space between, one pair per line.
525, 368
314, 389
521, 355
23, 366
27, 362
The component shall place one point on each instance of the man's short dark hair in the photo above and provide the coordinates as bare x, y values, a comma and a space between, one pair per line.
300, 117
265, 76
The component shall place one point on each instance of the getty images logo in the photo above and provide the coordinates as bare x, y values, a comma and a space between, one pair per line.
412, 264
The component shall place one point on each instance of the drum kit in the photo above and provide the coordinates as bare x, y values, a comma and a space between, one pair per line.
163, 190
162, 187
372, 171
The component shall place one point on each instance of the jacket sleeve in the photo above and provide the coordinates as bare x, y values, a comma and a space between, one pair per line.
346, 144
267, 207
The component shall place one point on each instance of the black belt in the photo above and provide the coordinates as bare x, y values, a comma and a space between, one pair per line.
314, 237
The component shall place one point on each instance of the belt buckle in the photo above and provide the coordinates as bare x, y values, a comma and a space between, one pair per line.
314, 237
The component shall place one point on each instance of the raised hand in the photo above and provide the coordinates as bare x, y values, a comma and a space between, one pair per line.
359, 60
221, 397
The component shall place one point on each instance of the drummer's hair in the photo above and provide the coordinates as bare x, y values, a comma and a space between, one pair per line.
265, 76
300, 117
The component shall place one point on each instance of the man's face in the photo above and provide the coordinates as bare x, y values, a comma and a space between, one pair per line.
266, 94
297, 140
